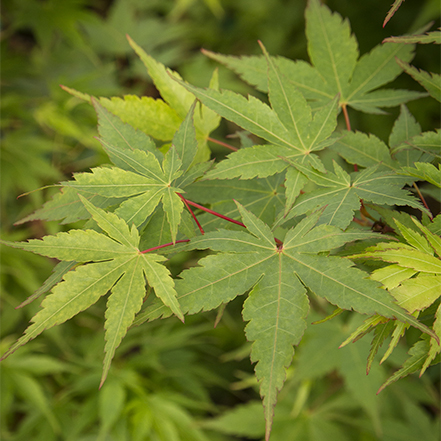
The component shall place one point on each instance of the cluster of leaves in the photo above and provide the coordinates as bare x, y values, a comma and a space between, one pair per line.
295, 221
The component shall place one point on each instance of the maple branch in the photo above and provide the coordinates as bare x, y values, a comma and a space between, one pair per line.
191, 212
163, 246
224, 144
422, 199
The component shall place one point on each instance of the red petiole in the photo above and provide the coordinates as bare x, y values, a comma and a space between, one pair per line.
201, 207
191, 212
163, 246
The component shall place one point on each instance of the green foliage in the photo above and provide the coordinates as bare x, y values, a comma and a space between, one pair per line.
289, 220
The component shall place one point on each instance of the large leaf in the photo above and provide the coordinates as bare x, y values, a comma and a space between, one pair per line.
277, 304
288, 126
110, 262
139, 182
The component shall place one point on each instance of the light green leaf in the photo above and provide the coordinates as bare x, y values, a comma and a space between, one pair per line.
173, 207
79, 290
290, 105
173, 93
427, 142
171, 165
372, 101
79, 245
418, 293
434, 239
113, 182
392, 275
179, 99
112, 264
404, 256
251, 114
152, 116
67, 205
405, 128
114, 226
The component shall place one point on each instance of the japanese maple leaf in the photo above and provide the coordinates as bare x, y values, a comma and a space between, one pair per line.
142, 176
277, 275
109, 262
341, 192
290, 127
335, 66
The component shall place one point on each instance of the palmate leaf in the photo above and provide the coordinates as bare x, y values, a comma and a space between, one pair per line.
341, 193
109, 263
139, 182
288, 126
334, 56
277, 275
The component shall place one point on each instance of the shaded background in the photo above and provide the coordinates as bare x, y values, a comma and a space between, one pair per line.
168, 382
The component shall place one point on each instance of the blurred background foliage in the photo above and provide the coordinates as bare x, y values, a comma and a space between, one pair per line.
170, 382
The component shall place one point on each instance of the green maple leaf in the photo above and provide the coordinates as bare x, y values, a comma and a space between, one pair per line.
341, 192
277, 277
139, 182
288, 125
111, 262
335, 66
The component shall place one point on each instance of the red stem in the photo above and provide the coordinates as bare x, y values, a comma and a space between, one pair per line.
165, 245
422, 199
216, 214
191, 211
224, 144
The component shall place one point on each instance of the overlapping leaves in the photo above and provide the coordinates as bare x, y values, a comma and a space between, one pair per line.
138, 182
